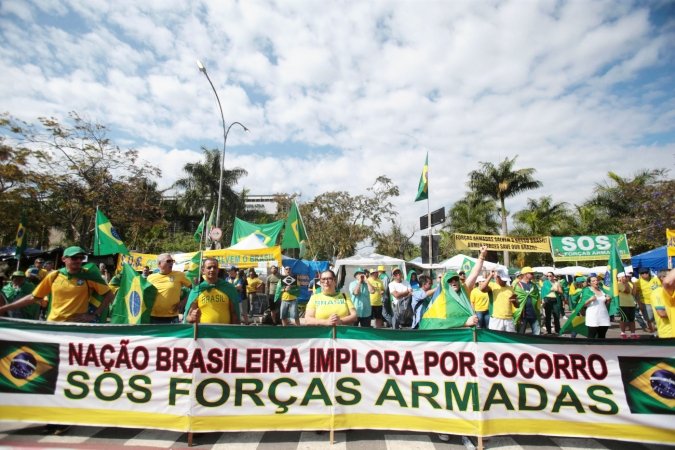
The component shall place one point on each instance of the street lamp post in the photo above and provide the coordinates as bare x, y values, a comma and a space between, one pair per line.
226, 130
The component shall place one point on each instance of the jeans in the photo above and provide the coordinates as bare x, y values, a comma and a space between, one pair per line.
533, 323
483, 319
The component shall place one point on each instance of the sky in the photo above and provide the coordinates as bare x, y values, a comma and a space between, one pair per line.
337, 93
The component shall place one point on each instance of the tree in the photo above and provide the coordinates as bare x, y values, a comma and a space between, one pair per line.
474, 214
78, 168
502, 182
337, 222
542, 217
396, 243
200, 189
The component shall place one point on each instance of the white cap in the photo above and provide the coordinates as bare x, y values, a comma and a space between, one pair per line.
620, 274
480, 279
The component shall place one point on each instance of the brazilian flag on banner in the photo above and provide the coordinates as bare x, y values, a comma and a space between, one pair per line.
28, 367
134, 299
649, 384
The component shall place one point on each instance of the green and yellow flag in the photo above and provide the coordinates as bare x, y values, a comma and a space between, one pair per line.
107, 240
20, 240
266, 232
134, 299
615, 267
193, 268
28, 367
200, 230
467, 265
295, 235
423, 188
649, 384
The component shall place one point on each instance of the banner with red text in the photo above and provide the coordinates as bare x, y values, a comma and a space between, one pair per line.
223, 378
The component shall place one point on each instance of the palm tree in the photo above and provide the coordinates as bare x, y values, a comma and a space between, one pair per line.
543, 217
500, 182
200, 186
474, 214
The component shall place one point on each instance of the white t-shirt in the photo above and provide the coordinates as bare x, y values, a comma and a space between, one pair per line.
395, 286
596, 312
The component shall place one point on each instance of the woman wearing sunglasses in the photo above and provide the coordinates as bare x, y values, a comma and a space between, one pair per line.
329, 308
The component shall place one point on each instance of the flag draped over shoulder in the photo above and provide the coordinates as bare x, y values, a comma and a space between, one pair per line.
423, 187
134, 299
577, 321
107, 240
20, 241
221, 285
295, 235
267, 232
447, 308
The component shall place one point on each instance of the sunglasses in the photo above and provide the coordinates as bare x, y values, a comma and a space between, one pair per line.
327, 279
77, 257
169, 261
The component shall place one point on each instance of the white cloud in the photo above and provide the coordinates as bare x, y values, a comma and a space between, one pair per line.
575, 88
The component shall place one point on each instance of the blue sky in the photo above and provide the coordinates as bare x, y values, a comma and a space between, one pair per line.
336, 94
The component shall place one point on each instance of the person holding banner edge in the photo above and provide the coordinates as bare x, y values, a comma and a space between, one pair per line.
214, 300
329, 308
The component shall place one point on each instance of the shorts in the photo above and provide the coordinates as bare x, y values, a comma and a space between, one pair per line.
289, 309
377, 312
627, 313
501, 325
650, 312
363, 321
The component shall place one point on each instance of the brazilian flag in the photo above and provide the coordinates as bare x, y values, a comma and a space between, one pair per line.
28, 367
107, 240
134, 299
649, 384
467, 265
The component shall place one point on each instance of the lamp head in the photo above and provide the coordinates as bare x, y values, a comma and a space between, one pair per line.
201, 66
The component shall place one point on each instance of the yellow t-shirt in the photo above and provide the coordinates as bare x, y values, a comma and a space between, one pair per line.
626, 299
378, 286
215, 306
325, 305
479, 300
252, 285
647, 287
502, 308
70, 296
168, 292
661, 301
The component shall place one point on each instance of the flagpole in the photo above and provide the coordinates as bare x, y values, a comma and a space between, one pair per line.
431, 256
96, 246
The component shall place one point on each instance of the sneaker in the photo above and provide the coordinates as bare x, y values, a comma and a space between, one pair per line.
634, 336
623, 336
61, 429
444, 437
467, 443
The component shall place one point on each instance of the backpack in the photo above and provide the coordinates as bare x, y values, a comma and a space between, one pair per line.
404, 311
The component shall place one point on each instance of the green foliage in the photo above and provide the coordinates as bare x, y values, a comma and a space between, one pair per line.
74, 168
396, 243
337, 221
474, 214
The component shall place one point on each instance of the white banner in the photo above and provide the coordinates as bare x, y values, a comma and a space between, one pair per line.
221, 378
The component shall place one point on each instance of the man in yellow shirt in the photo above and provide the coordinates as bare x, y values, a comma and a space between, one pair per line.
70, 289
644, 287
480, 301
662, 302
376, 289
213, 300
168, 302
503, 306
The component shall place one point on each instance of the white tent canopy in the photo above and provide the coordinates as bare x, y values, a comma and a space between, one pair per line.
417, 262
572, 270
455, 263
250, 242
372, 261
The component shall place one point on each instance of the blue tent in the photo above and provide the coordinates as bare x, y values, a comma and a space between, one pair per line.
305, 271
656, 259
